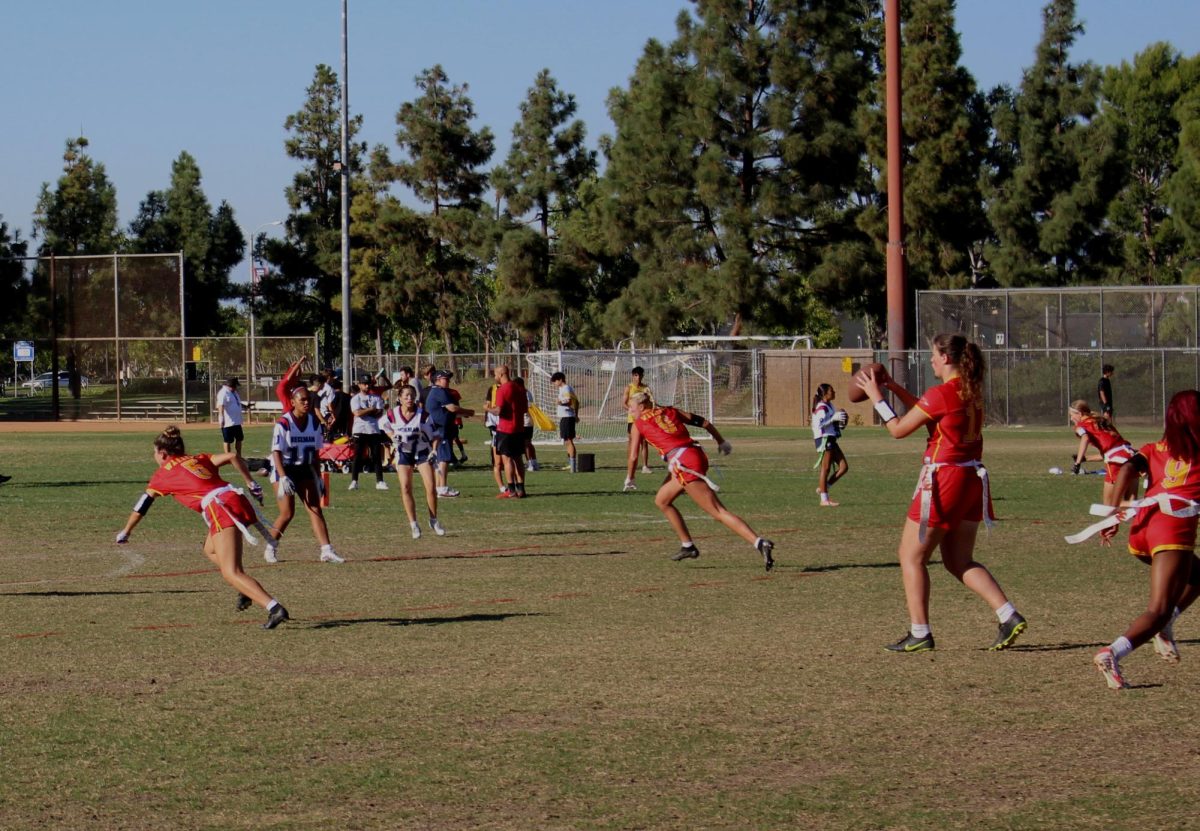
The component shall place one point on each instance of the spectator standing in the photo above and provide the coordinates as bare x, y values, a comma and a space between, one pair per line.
367, 407
510, 406
439, 404
636, 387
568, 416
1104, 392
229, 416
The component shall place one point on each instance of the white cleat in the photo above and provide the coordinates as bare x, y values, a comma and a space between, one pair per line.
353, 486
1165, 646
437, 526
271, 552
381, 485
328, 555
416, 531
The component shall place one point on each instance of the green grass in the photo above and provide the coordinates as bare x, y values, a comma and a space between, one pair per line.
546, 666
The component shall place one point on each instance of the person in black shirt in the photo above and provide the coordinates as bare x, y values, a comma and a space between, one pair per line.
1104, 391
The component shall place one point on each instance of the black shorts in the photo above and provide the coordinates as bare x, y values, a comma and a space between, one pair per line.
510, 444
232, 433
566, 428
528, 434
299, 473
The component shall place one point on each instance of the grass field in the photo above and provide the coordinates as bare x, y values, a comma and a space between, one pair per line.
545, 666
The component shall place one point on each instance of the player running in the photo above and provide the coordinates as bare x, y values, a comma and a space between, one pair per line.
666, 429
1162, 534
295, 442
412, 438
952, 492
827, 425
1097, 430
196, 483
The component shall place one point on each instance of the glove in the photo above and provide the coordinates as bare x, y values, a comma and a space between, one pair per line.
1075, 468
725, 448
256, 491
842, 418
122, 537
285, 487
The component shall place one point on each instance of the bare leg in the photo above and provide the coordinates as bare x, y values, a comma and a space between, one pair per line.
405, 474
287, 510
430, 489
665, 500
1170, 574
914, 557
307, 491
225, 550
704, 496
958, 548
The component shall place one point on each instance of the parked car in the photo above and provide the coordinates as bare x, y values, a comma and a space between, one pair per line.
43, 381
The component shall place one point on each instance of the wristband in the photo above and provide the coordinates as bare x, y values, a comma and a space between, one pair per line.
885, 411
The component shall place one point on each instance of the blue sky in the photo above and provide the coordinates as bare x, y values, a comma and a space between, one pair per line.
147, 79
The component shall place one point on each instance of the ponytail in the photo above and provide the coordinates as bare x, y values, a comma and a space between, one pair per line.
819, 395
968, 358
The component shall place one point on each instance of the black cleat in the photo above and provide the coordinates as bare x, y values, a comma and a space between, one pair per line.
4, 479
687, 552
909, 643
278, 615
1008, 634
765, 547
243, 603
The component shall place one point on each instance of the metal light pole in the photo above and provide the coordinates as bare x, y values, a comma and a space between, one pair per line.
347, 370
897, 283
253, 292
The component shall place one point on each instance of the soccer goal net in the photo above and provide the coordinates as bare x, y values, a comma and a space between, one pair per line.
599, 379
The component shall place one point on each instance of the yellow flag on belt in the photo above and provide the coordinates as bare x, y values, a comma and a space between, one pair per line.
540, 419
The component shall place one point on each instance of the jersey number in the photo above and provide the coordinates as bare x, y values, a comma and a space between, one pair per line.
1175, 473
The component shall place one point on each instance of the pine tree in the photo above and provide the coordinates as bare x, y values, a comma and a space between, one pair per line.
1183, 191
546, 163
1056, 166
79, 216
14, 286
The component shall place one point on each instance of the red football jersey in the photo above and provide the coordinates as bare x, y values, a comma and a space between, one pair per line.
664, 429
957, 435
1169, 475
187, 478
1104, 438
513, 405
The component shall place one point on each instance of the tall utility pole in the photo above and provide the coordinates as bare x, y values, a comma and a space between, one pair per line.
347, 370
897, 282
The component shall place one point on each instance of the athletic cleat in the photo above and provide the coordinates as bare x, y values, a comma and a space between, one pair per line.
381, 485
629, 486
910, 643
1008, 634
1106, 662
463, 460
506, 494
765, 547
277, 616
416, 531
646, 469
448, 493
243, 603
328, 555
1165, 646
436, 526
353, 485
271, 551
686, 553
4, 479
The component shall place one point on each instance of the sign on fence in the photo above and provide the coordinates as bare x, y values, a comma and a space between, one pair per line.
23, 351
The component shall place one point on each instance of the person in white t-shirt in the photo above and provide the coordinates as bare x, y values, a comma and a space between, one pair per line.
567, 411
229, 416
367, 407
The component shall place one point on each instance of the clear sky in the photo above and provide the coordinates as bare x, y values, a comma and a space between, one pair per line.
147, 79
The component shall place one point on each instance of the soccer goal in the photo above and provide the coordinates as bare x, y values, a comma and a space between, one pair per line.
679, 379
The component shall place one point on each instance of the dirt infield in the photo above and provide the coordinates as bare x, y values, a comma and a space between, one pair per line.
93, 426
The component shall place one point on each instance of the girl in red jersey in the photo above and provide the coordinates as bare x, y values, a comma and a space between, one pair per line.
1162, 534
666, 429
1099, 431
952, 492
195, 483
827, 425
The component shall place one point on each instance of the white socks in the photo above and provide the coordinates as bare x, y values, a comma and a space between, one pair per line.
1005, 612
920, 630
1121, 647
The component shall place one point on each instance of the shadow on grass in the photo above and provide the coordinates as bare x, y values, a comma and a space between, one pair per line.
1068, 647
840, 566
101, 594
423, 621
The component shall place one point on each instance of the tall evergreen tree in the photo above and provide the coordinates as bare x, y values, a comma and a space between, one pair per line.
736, 150
1056, 167
79, 216
300, 296
14, 286
1144, 98
1183, 192
546, 164
443, 157
180, 219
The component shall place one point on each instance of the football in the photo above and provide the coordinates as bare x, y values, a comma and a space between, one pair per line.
856, 395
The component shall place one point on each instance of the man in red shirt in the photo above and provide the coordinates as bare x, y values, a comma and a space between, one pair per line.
510, 406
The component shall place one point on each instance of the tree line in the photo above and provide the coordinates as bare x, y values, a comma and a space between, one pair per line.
742, 190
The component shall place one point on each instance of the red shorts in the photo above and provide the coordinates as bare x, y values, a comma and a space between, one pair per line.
1153, 531
222, 511
1111, 469
957, 497
692, 458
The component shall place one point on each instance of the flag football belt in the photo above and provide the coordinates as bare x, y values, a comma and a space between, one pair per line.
215, 496
675, 466
925, 489
1182, 509
1119, 455
821, 451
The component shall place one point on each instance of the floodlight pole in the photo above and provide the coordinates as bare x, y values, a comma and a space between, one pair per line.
347, 371
897, 283
251, 374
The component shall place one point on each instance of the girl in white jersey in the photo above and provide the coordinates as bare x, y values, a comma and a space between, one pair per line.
827, 424
295, 443
412, 440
